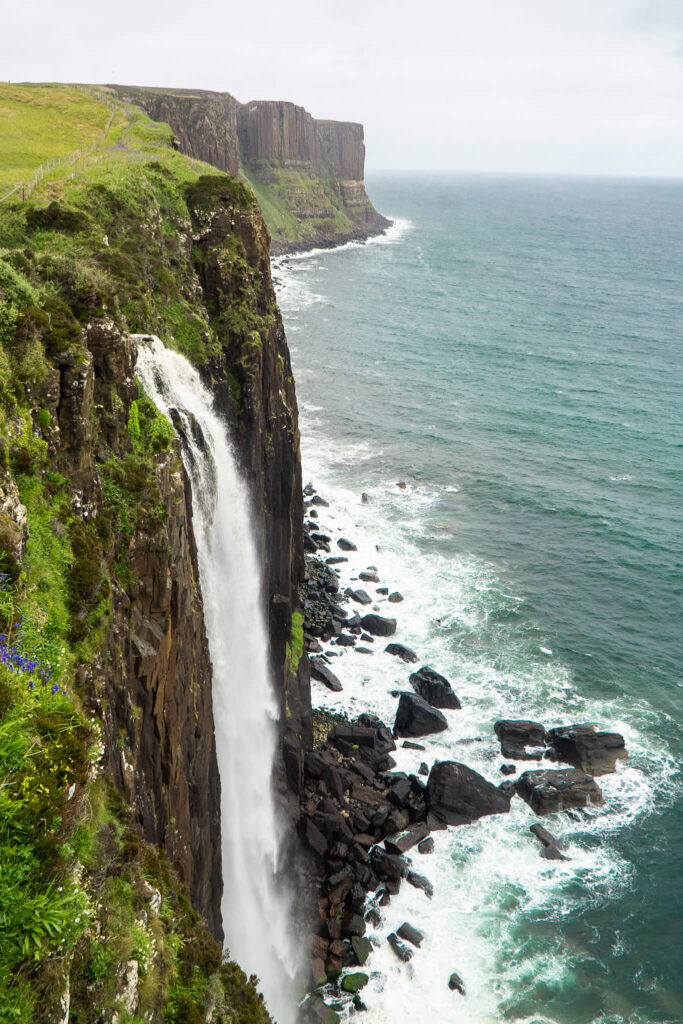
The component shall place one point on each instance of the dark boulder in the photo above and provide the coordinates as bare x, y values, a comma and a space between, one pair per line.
395, 597
410, 934
415, 717
458, 795
424, 768
344, 640
552, 790
361, 596
369, 576
387, 865
420, 882
434, 688
516, 735
403, 841
400, 949
404, 653
323, 674
456, 984
583, 747
346, 545
508, 769
408, 744
426, 846
378, 625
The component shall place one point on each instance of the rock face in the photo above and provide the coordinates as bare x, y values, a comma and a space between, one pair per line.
153, 689
434, 688
557, 790
415, 717
458, 795
313, 170
205, 123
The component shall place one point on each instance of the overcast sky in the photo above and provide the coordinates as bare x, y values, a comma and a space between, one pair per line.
586, 86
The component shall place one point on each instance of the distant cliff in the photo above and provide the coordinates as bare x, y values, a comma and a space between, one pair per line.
308, 175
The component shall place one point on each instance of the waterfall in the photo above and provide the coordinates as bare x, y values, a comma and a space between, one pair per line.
255, 913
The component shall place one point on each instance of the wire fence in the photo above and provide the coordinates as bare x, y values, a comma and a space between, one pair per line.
78, 160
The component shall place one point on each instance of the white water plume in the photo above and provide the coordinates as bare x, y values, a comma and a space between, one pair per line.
255, 912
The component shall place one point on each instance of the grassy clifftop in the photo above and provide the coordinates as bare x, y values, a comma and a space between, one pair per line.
95, 922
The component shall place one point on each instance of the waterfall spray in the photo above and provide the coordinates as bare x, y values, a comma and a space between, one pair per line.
255, 912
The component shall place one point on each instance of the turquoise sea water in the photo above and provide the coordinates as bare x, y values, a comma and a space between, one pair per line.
514, 353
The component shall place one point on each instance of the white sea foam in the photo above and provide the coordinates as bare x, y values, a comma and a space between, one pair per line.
491, 886
398, 227
488, 877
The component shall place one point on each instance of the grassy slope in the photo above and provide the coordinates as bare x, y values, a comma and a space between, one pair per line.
75, 875
38, 122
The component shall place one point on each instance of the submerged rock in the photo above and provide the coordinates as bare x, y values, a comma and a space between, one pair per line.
434, 688
456, 984
415, 717
400, 949
551, 846
552, 790
458, 795
404, 653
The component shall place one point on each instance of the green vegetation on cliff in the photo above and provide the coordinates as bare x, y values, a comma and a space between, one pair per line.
94, 919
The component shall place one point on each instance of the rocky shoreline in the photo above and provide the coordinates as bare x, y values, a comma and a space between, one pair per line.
365, 825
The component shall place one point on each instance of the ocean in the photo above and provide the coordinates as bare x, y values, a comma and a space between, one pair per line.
512, 351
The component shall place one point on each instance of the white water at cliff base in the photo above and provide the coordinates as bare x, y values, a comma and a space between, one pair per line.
255, 911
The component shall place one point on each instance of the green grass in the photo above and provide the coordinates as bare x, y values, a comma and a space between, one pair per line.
38, 122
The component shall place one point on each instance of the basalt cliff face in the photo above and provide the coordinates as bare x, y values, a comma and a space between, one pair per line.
98, 553
308, 174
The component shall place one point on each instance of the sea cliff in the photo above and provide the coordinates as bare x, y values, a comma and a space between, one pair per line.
308, 174
112, 835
